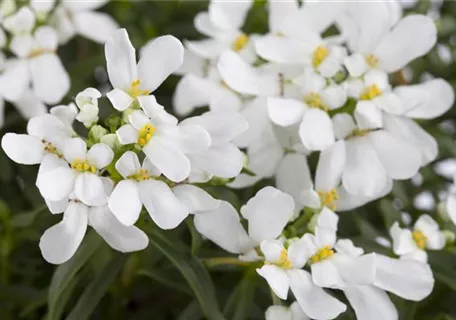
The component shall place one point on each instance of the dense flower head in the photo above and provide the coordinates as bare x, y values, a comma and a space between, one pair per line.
303, 122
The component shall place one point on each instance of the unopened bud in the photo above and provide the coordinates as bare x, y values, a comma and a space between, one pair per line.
112, 141
450, 237
96, 133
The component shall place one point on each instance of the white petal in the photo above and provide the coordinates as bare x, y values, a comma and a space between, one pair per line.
229, 15
50, 162
125, 203
355, 270
272, 250
192, 92
46, 38
75, 149
96, 26
368, 115
348, 201
364, 173
283, 50
257, 117
297, 312
160, 59
223, 126
118, 236
315, 302
316, 130
15, 80
371, 303
223, 227
293, 176
22, 148
207, 48
285, 112
168, 158
204, 25
430, 228
225, 161
451, 207
278, 12
325, 236
428, 100
412, 37
127, 134
334, 96
411, 132
390, 102
326, 275
100, 155
310, 198
30, 105
276, 312
343, 125
84, 6
156, 111
195, 199
192, 138
241, 77
327, 219
163, 206
138, 119
401, 160
89, 189
59, 243
56, 207
120, 99
57, 184
50, 79
356, 64
128, 164
120, 60
268, 212
277, 280
411, 280
298, 253
403, 242
330, 167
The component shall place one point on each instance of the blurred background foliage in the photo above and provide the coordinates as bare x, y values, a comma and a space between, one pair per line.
169, 280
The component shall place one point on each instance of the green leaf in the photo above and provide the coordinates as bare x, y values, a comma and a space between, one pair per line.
166, 278
96, 290
192, 270
191, 312
67, 271
240, 302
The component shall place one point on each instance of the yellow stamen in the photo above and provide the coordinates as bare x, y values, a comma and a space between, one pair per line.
328, 198
319, 55
322, 254
420, 239
141, 175
372, 61
135, 91
370, 92
240, 42
313, 100
83, 166
49, 147
145, 133
359, 133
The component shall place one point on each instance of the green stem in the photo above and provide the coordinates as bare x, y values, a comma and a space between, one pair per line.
275, 299
214, 262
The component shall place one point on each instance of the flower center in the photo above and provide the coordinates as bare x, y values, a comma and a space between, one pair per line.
36, 52
372, 60
141, 175
50, 148
83, 166
370, 92
319, 55
135, 91
240, 42
145, 133
420, 239
322, 254
283, 262
328, 198
313, 100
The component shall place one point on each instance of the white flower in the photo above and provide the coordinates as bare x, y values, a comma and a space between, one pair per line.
77, 17
315, 126
223, 158
222, 24
37, 65
378, 46
79, 173
59, 243
411, 280
87, 101
294, 312
267, 213
66, 114
47, 136
410, 244
167, 206
164, 143
130, 81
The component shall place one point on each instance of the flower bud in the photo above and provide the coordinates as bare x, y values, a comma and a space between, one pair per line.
442, 211
112, 141
96, 133
450, 237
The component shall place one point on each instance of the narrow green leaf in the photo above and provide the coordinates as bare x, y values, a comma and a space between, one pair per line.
239, 305
192, 270
67, 271
63, 298
166, 278
196, 237
96, 290
192, 312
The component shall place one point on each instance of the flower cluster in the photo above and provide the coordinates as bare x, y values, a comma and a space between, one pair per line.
31, 73
323, 81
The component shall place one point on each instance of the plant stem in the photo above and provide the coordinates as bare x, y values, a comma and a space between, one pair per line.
214, 262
